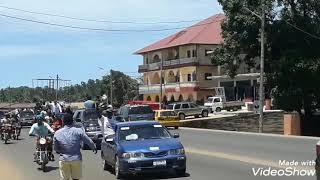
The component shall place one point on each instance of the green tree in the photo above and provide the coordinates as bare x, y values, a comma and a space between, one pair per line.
292, 57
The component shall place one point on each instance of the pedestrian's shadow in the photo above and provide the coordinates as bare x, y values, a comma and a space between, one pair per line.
49, 168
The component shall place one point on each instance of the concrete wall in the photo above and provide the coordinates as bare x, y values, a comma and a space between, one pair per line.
245, 122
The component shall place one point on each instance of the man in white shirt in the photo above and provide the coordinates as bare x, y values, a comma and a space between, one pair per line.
106, 121
56, 108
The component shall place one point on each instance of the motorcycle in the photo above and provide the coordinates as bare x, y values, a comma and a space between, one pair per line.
6, 133
42, 155
16, 130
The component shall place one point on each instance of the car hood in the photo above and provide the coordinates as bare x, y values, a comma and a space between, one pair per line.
150, 145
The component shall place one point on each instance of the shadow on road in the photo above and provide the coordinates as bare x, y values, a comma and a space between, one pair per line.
49, 168
156, 176
10, 142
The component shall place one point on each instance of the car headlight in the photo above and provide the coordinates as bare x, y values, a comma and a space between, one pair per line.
177, 151
132, 155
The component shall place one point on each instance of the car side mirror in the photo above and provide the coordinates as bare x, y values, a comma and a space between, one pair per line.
176, 135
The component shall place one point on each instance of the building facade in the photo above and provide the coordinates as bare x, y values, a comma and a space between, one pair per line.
183, 60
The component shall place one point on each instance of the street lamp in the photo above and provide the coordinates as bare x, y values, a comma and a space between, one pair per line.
261, 87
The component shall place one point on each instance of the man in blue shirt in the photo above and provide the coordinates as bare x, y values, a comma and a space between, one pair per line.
67, 143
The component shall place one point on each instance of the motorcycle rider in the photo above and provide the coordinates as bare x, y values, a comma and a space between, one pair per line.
42, 129
16, 123
6, 121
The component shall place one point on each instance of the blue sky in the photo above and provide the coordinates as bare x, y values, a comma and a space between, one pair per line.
29, 50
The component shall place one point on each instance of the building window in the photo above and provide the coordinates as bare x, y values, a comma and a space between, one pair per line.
188, 53
207, 75
178, 76
194, 76
208, 52
194, 53
157, 98
156, 58
189, 78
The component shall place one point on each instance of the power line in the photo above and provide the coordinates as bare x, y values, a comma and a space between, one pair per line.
299, 29
102, 29
95, 20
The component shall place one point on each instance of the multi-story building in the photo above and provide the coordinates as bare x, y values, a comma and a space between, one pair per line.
183, 60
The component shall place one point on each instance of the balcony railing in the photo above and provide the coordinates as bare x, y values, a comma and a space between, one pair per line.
155, 88
175, 62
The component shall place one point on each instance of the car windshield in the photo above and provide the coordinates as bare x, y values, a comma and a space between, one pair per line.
167, 113
170, 106
210, 100
91, 115
142, 132
140, 110
26, 114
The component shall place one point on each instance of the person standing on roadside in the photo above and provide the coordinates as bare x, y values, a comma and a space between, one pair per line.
67, 143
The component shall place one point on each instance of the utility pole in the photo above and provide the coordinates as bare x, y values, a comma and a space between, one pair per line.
57, 88
261, 88
111, 88
161, 75
53, 84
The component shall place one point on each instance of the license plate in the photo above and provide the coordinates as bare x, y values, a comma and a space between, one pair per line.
160, 163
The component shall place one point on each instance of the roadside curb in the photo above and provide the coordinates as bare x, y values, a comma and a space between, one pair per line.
252, 133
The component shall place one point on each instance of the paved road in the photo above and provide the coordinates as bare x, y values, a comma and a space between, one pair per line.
212, 155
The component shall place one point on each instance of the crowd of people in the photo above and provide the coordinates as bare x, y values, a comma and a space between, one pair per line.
55, 122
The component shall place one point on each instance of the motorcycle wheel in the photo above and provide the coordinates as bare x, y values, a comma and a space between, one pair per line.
44, 159
43, 167
6, 140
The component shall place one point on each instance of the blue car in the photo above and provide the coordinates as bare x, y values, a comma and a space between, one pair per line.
142, 146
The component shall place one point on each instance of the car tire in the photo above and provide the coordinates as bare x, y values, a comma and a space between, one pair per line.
182, 116
205, 114
218, 109
117, 171
181, 172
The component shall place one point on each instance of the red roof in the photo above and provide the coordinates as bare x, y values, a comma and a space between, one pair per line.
207, 31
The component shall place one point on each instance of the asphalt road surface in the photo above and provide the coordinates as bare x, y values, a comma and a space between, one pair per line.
212, 155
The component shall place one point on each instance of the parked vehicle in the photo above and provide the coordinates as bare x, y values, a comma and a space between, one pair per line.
185, 109
142, 146
219, 103
153, 105
167, 118
26, 118
135, 113
89, 120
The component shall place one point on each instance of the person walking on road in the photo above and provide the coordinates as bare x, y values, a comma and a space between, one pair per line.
67, 143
